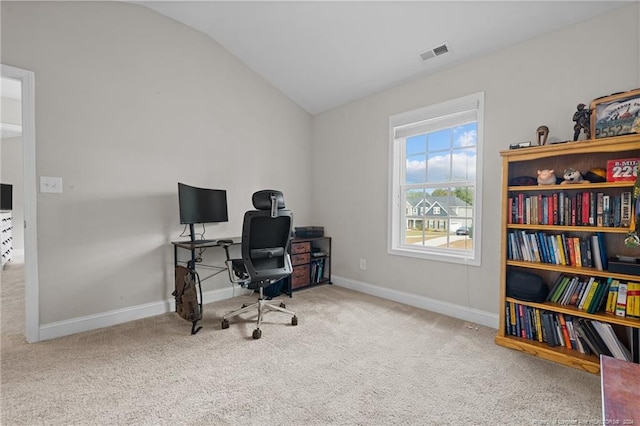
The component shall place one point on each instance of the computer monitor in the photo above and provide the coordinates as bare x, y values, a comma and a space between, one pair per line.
201, 205
6, 196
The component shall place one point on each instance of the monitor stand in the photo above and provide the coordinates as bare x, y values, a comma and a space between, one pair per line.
192, 232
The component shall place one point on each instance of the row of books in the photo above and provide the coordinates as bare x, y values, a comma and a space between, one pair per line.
624, 299
589, 294
571, 209
588, 251
574, 333
317, 270
595, 294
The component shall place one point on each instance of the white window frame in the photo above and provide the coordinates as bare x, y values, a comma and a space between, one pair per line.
421, 119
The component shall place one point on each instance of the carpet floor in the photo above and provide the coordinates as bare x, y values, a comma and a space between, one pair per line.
353, 359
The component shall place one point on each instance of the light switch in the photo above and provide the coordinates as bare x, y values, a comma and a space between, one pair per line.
51, 184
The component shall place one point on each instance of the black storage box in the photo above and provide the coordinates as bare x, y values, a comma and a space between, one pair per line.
624, 267
526, 286
309, 231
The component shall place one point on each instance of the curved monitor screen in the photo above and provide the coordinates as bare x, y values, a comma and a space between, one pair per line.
201, 205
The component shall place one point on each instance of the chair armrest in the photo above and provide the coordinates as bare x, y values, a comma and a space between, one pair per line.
237, 271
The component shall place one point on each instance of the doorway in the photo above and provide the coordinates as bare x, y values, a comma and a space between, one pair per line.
31, 286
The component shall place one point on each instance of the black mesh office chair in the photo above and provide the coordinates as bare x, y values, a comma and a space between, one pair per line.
266, 233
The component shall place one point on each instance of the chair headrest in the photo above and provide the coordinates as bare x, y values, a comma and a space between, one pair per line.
262, 199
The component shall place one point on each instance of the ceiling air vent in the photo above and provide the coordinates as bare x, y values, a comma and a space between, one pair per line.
436, 51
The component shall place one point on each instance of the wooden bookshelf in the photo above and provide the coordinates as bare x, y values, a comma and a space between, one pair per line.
582, 156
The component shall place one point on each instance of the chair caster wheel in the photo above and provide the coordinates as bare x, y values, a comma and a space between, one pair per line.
294, 320
225, 324
257, 333
283, 306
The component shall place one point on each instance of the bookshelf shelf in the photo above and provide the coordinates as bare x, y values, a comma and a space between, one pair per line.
572, 270
563, 228
571, 310
582, 156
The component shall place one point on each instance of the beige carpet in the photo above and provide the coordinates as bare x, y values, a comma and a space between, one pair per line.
353, 360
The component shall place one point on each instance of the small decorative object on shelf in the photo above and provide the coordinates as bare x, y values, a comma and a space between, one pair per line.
542, 133
546, 177
581, 118
623, 169
616, 115
525, 144
573, 176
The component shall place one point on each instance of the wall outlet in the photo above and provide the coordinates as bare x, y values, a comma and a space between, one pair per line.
51, 184
363, 264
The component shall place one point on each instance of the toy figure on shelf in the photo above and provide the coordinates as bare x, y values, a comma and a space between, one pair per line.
581, 117
573, 176
546, 177
542, 133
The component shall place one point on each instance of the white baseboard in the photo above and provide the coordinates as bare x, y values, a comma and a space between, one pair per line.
457, 311
119, 316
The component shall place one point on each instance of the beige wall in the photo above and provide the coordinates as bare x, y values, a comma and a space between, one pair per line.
537, 82
128, 103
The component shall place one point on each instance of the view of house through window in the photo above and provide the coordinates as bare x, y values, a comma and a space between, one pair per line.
434, 181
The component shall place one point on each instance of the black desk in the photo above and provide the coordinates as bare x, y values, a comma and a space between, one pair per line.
192, 246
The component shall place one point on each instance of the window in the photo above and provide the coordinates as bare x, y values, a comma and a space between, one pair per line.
435, 181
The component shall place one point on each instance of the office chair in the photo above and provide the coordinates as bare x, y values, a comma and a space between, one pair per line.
266, 233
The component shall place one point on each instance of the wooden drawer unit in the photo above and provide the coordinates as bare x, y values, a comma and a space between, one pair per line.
310, 258
300, 247
300, 259
300, 276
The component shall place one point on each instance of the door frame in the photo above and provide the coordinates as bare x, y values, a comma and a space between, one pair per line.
31, 284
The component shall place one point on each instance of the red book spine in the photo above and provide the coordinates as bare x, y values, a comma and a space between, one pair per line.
521, 208
585, 208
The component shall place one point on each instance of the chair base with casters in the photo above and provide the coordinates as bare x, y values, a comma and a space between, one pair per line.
263, 306
238, 274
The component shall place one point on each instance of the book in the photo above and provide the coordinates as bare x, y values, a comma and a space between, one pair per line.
585, 294
633, 299
538, 318
583, 336
606, 211
604, 258
617, 349
565, 331
595, 337
576, 294
625, 209
599, 297
612, 297
595, 245
548, 329
563, 260
577, 250
570, 291
555, 288
600, 209
561, 288
590, 295
558, 330
621, 302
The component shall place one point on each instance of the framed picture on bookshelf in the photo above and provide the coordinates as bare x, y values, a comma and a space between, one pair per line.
615, 115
